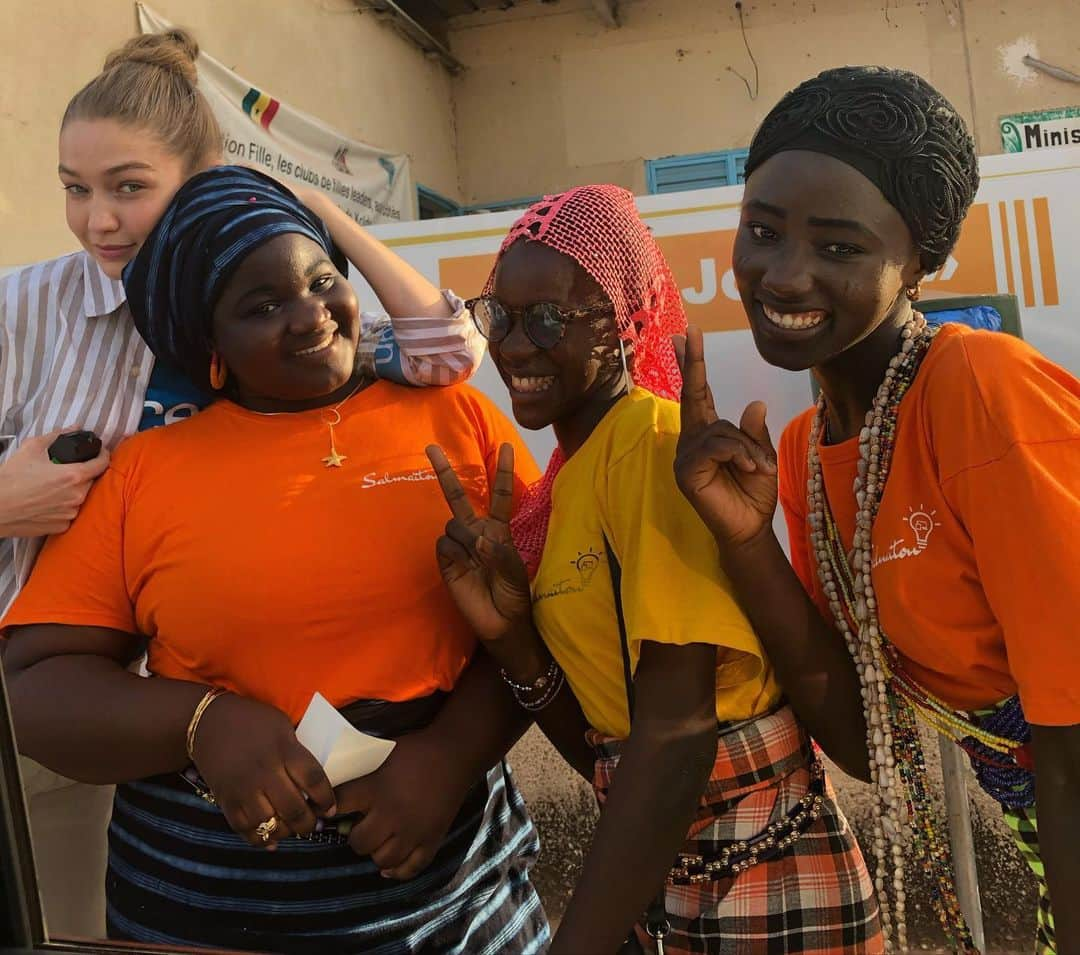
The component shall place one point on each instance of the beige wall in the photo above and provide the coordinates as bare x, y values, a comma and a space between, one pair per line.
552, 98
321, 56
998, 34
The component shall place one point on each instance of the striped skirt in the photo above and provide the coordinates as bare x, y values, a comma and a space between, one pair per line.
809, 893
1010, 782
1024, 826
179, 876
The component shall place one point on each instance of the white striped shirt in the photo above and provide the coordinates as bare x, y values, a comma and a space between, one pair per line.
70, 355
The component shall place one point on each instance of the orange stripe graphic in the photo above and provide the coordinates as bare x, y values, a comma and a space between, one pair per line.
1046, 251
1007, 247
1025, 252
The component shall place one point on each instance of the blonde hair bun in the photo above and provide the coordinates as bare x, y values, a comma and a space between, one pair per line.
151, 83
173, 51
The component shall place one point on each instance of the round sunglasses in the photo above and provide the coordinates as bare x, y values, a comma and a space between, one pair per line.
544, 322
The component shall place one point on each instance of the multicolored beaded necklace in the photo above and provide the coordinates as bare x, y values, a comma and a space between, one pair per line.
890, 697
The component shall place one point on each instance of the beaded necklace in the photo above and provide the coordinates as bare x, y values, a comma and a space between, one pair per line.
897, 765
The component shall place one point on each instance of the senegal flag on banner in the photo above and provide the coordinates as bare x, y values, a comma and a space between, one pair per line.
260, 107
369, 183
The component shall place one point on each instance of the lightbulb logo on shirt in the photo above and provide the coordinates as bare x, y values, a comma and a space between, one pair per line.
922, 524
586, 563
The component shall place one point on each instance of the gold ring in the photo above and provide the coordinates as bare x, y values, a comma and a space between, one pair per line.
265, 829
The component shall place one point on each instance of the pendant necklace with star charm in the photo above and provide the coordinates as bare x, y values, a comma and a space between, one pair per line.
332, 418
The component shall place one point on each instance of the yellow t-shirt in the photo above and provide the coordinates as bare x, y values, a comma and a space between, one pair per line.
620, 483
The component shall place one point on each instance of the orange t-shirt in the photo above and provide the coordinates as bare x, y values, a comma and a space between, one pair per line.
250, 565
975, 545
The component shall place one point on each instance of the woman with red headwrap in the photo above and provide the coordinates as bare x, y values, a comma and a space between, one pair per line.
606, 581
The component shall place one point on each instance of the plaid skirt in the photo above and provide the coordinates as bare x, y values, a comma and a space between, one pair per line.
813, 896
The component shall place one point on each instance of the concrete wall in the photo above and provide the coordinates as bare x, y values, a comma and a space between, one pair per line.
321, 56
998, 36
553, 98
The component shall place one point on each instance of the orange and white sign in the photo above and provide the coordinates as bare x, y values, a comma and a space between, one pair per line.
1021, 237
1006, 246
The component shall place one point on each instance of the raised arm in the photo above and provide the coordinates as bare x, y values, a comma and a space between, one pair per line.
402, 290
489, 583
728, 474
430, 338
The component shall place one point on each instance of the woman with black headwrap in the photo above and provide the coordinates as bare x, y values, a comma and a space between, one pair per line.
276, 545
925, 495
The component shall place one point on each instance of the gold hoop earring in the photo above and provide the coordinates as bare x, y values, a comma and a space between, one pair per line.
218, 372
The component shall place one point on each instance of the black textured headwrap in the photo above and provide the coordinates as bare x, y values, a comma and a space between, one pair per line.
216, 220
894, 128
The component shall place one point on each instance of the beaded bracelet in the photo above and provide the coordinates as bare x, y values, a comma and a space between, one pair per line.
549, 683
538, 684
197, 716
534, 706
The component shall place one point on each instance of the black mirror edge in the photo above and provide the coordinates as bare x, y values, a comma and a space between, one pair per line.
22, 924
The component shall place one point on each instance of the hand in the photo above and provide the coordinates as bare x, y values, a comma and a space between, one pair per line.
409, 804
38, 497
248, 754
477, 558
678, 342
727, 473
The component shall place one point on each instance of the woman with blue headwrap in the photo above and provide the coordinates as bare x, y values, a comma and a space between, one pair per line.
71, 358
275, 546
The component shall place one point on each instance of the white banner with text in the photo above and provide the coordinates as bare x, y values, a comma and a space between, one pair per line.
371, 185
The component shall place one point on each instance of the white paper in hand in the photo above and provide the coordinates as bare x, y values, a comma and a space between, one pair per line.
345, 752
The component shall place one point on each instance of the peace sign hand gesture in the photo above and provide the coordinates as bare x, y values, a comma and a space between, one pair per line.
727, 473
477, 558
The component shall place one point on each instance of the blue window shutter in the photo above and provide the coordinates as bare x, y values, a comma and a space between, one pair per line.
695, 171
739, 156
431, 205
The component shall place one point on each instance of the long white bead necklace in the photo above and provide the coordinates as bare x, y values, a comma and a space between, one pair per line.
896, 765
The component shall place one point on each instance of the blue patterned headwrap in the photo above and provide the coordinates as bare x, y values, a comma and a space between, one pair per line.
216, 220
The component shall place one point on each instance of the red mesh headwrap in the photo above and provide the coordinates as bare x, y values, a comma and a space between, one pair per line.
600, 229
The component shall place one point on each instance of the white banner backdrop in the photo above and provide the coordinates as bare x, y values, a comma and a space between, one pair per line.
371, 185
1022, 237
